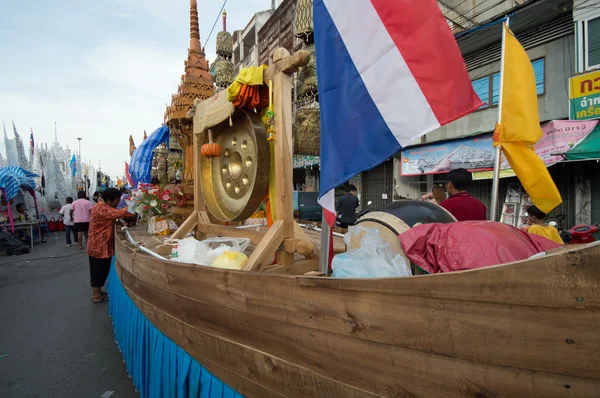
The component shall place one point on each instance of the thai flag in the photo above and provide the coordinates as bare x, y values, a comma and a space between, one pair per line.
128, 176
32, 143
389, 71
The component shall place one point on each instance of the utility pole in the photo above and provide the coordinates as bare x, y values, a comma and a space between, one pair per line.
81, 166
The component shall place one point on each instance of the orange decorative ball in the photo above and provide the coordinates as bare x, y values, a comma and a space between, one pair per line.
211, 150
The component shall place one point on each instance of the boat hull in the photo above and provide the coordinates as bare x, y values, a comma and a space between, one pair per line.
522, 329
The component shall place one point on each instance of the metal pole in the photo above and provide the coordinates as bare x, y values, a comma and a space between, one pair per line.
324, 257
496, 184
498, 160
81, 166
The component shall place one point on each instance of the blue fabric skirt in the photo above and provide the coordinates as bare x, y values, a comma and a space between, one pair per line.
158, 366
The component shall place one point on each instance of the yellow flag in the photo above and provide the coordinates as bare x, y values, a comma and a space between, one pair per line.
520, 126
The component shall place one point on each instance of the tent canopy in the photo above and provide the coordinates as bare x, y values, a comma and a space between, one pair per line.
587, 149
13, 178
141, 160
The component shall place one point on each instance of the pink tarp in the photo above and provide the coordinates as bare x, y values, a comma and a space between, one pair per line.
469, 244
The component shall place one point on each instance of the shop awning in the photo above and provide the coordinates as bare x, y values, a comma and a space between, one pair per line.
303, 161
587, 149
476, 154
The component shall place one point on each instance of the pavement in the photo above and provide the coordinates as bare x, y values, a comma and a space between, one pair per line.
53, 341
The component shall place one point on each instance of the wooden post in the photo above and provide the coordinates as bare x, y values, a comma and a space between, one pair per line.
199, 204
282, 103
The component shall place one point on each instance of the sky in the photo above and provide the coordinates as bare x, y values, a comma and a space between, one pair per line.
101, 70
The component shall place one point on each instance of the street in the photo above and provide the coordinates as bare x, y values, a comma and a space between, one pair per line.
54, 341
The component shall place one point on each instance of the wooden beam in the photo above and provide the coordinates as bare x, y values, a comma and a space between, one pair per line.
187, 226
199, 204
203, 217
286, 64
282, 103
264, 251
222, 230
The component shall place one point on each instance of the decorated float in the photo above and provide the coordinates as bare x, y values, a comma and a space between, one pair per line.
274, 326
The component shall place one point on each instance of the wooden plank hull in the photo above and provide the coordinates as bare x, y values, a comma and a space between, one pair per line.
522, 329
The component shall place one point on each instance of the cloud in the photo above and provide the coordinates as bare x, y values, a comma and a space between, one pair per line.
137, 67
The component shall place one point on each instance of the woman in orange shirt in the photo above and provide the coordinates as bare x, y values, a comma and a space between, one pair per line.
101, 243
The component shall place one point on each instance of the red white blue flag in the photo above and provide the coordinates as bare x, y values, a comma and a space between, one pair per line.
389, 71
32, 143
128, 176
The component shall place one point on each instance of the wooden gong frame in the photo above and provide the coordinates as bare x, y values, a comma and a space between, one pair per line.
285, 237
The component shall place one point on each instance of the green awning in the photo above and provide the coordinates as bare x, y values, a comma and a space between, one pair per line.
587, 149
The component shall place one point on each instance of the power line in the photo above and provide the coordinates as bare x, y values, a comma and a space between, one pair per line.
215, 24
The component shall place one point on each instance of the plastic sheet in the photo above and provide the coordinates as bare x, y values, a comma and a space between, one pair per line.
469, 244
373, 259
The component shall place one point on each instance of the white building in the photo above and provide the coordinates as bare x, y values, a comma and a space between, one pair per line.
245, 42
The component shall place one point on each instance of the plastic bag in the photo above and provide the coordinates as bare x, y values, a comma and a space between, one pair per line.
373, 259
230, 260
190, 250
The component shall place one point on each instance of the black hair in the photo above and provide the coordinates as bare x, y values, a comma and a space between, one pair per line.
97, 193
350, 188
537, 213
81, 195
155, 181
19, 205
123, 190
461, 179
111, 194
69, 199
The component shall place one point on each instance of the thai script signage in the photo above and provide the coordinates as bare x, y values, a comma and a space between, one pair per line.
477, 153
584, 96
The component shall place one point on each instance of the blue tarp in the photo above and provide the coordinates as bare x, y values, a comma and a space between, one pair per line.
12, 178
158, 366
141, 160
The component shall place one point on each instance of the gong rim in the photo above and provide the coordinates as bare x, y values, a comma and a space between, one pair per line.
234, 184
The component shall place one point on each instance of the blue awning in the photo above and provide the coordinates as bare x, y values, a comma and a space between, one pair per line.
141, 160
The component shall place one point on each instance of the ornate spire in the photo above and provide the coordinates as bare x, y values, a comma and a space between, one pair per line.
194, 27
224, 21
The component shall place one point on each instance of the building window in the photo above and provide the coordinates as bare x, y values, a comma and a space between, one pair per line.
588, 41
482, 88
592, 43
482, 85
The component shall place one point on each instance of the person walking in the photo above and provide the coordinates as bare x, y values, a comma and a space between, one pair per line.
101, 246
80, 214
65, 212
346, 206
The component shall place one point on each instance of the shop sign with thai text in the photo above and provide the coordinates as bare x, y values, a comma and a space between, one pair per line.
476, 154
584, 96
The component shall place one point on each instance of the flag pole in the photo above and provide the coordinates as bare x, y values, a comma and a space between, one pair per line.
498, 159
325, 237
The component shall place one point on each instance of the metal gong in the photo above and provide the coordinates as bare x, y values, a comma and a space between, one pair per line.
234, 183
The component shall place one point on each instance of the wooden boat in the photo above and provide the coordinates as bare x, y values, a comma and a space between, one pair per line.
524, 329
528, 328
